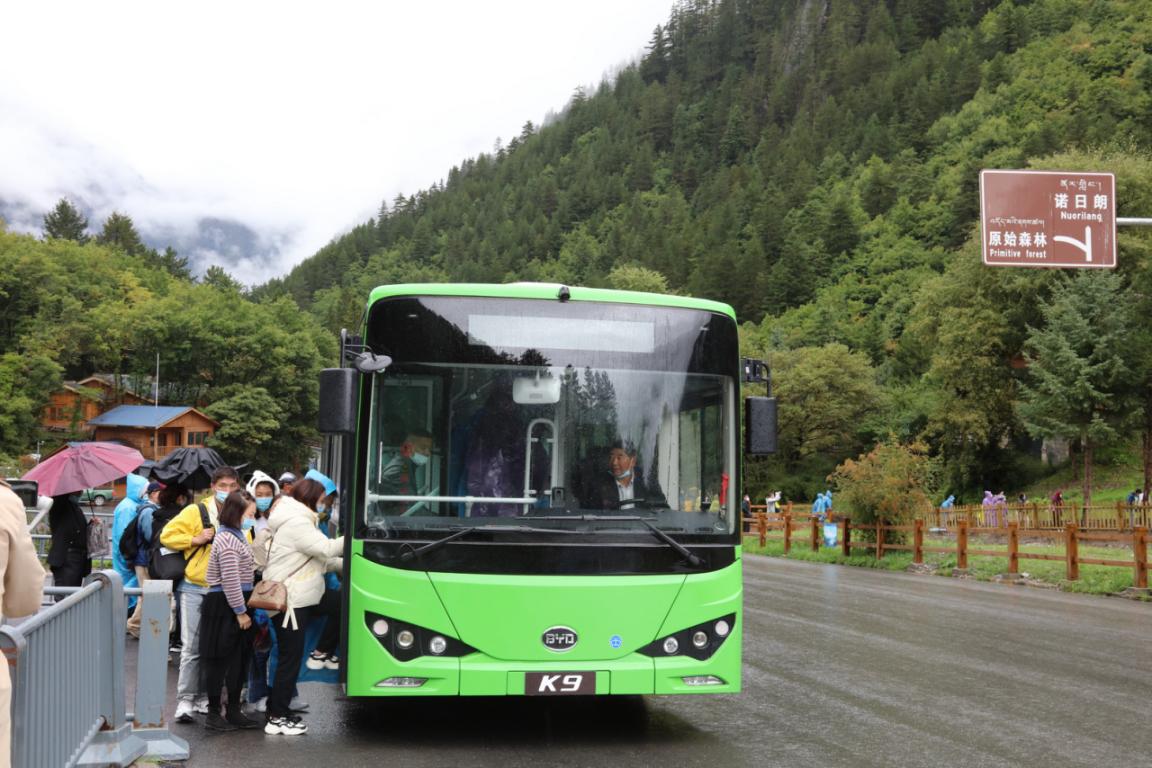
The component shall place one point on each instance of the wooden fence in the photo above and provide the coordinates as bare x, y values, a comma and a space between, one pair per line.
1071, 535
1117, 517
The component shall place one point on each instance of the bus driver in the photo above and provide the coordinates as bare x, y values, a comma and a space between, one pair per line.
621, 485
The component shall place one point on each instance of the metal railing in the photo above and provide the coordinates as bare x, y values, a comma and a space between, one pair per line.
67, 665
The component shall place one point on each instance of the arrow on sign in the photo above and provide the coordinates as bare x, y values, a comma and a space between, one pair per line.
1085, 247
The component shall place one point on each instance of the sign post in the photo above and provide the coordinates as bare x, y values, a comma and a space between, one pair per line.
1048, 219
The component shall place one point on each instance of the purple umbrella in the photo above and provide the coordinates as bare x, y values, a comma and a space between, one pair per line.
83, 465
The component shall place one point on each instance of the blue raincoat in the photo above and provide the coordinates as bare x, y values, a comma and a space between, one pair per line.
124, 514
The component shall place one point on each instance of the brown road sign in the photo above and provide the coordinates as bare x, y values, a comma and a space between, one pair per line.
1048, 218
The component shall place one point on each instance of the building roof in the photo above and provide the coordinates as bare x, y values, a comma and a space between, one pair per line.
145, 416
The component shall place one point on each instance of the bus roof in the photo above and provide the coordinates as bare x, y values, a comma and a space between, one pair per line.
547, 291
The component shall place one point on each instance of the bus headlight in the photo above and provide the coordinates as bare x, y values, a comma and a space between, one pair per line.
405, 641
698, 642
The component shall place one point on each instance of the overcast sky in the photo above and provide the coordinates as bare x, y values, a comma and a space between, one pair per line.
296, 120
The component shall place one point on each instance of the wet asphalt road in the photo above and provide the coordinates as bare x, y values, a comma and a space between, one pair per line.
842, 667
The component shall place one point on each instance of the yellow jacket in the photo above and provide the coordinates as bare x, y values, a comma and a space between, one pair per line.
178, 533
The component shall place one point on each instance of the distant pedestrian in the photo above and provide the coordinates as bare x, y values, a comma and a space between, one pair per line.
21, 590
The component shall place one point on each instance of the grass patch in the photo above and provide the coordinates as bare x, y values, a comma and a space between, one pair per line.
1094, 579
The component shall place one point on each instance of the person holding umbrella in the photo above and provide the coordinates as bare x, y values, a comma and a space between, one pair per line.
191, 532
68, 558
62, 476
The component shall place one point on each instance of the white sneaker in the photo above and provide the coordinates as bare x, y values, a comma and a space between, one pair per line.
332, 662
285, 726
260, 705
201, 705
184, 711
297, 704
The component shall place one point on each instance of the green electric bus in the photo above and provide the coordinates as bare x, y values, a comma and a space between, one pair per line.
540, 491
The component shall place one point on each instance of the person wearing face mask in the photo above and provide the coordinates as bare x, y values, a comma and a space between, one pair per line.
299, 555
225, 620
324, 656
623, 486
266, 494
191, 532
407, 474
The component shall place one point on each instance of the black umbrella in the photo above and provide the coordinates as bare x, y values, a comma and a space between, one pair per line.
192, 467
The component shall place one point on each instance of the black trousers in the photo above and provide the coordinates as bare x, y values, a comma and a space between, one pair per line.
225, 651
290, 652
76, 566
329, 640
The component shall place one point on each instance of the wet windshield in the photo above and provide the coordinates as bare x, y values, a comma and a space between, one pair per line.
549, 440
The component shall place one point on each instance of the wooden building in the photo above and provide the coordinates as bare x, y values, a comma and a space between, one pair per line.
154, 430
76, 403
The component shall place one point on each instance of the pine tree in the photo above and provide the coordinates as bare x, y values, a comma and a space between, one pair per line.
66, 223
119, 232
1080, 386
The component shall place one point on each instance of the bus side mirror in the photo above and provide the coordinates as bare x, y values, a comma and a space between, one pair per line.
338, 401
759, 425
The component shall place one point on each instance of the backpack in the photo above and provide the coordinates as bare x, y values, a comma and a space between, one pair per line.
130, 538
167, 563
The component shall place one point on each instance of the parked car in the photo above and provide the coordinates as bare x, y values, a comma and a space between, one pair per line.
97, 496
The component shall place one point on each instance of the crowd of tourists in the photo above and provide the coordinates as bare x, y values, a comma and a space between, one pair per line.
253, 564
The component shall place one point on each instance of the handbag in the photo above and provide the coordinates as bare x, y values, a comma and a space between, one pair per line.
272, 595
99, 544
269, 595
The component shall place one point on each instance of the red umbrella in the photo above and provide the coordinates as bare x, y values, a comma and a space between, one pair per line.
83, 465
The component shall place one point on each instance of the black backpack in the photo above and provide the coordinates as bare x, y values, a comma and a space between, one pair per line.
170, 564
130, 538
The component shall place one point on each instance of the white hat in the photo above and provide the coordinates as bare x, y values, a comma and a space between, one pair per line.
260, 477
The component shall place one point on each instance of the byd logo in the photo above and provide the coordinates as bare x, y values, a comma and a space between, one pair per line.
559, 639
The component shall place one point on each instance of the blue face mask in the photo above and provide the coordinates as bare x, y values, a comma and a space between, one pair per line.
263, 503
248, 523
221, 497
321, 509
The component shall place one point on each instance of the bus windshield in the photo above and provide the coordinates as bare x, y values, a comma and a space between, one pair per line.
564, 421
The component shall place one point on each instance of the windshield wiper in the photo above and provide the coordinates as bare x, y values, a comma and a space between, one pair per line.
413, 553
694, 560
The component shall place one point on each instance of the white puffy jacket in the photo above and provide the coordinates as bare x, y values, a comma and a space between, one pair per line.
298, 544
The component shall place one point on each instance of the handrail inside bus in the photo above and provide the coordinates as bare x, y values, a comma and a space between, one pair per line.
462, 499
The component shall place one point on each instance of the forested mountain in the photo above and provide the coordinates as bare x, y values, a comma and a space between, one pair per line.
812, 162
71, 306
815, 163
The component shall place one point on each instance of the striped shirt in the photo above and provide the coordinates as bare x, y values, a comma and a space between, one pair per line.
230, 567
